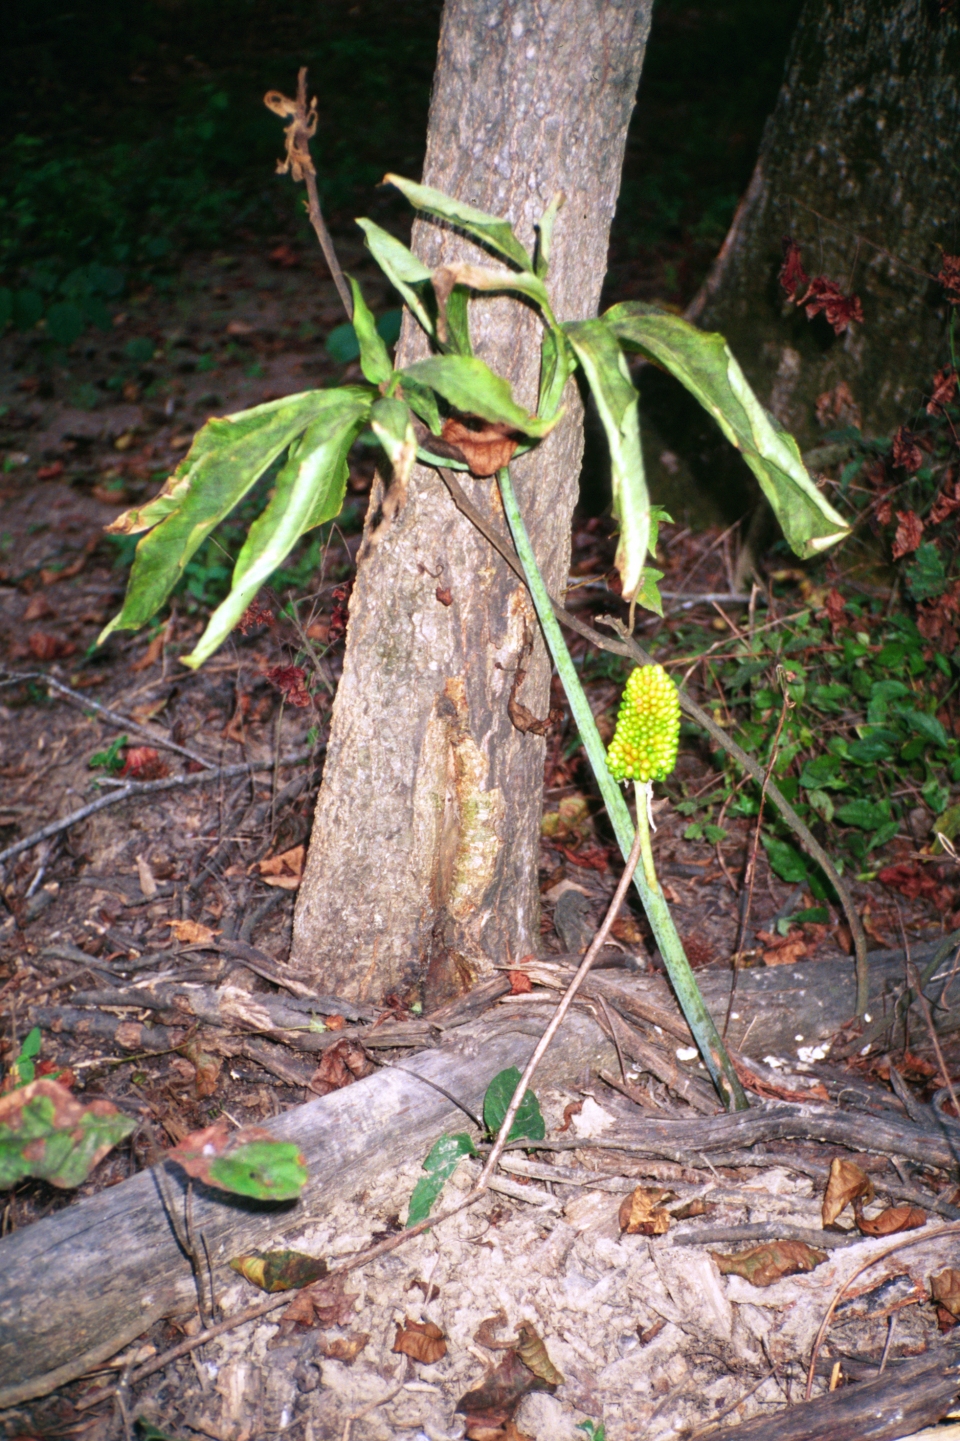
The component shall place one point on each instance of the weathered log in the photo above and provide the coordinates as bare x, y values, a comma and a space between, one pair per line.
78, 1286
909, 1395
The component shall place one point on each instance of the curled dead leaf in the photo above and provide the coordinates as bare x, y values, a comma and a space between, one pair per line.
192, 933
343, 1348
642, 1212
421, 1340
846, 1183
533, 1354
485, 448
892, 1221
285, 870
207, 1069
493, 1403
697, 1207
279, 1270
945, 1290
763, 1265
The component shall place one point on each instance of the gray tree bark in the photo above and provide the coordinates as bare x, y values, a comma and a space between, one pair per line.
422, 868
866, 132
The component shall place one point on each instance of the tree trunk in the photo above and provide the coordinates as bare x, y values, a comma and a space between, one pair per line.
866, 132
423, 863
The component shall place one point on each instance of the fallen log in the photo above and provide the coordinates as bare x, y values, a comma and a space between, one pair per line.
78, 1286
909, 1395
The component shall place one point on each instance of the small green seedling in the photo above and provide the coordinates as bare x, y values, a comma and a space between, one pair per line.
109, 760
29, 1051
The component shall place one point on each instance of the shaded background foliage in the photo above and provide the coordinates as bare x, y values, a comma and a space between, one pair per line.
132, 134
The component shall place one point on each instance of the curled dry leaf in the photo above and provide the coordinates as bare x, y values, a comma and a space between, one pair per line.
892, 1221
846, 1183
192, 933
291, 682
493, 1403
486, 448
279, 1270
520, 983
909, 533
907, 455
207, 1069
945, 1290
343, 1348
944, 390
325, 1303
642, 1212
143, 763
422, 1340
763, 1265
697, 1207
341, 1065
485, 1334
285, 870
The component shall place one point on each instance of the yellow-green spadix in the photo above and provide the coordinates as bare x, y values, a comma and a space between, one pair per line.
644, 745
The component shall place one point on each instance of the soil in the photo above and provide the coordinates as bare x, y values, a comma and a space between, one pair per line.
649, 1338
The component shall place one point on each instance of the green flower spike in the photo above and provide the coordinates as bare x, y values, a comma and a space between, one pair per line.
644, 746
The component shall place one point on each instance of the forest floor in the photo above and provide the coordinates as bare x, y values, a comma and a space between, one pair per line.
196, 883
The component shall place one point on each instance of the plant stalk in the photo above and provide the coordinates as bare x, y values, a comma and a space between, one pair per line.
698, 1018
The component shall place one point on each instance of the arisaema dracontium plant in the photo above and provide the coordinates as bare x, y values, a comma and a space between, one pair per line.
310, 435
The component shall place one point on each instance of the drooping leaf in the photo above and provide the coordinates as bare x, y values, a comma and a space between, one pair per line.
442, 1160
864, 814
391, 423
604, 365
279, 1270
248, 1162
486, 449
401, 267
342, 344
557, 364
528, 1124
47, 1133
422, 402
487, 230
704, 364
374, 357
225, 460
544, 230
309, 490
479, 277
471, 387
764, 1265
785, 861
458, 340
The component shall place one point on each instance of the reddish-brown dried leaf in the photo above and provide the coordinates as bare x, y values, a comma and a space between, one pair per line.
885, 512
421, 1340
944, 390
793, 277
290, 681
143, 763
766, 1264
697, 1207
825, 295
49, 647
892, 1221
485, 447
846, 1183
949, 277
910, 880
340, 1066
444, 595
838, 407
907, 455
325, 1303
256, 614
343, 1348
341, 608
494, 1402
909, 533
835, 605
947, 502
197, 1152
284, 255
285, 870
207, 1069
192, 933
520, 983
642, 1212
945, 1290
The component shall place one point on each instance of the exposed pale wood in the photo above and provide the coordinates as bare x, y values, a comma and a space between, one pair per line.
77, 1287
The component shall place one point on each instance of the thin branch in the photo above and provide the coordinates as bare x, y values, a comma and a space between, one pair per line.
300, 131
84, 703
628, 647
141, 788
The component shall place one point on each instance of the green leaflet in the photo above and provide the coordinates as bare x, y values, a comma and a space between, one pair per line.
443, 1159
262, 1170
422, 401
528, 1124
703, 363
545, 234
309, 490
604, 365
557, 364
400, 266
375, 359
488, 230
225, 460
391, 423
470, 386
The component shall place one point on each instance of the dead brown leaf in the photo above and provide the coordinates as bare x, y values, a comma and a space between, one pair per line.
279, 1270
845, 1184
783, 950
493, 1403
485, 449
945, 1290
192, 933
909, 533
207, 1069
533, 1353
892, 1221
325, 1303
285, 870
763, 1265
642, 1212
151, 655
697, 1207
520, 983
422, 1340
343, 1348
340, 1066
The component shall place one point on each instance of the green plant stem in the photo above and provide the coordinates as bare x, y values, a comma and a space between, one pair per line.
644, 794
698, 1018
